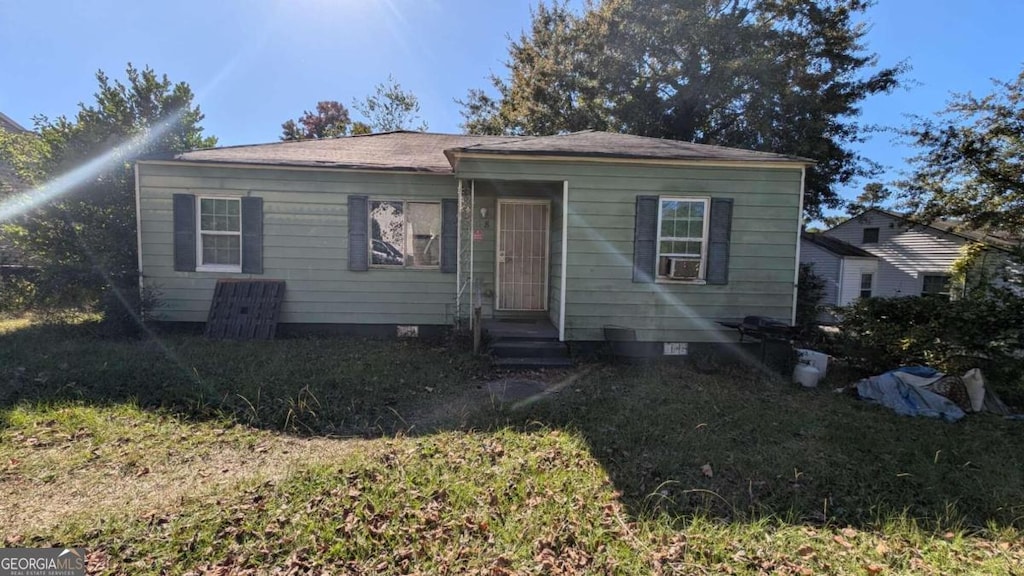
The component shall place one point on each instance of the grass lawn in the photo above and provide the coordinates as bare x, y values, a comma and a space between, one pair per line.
178, 455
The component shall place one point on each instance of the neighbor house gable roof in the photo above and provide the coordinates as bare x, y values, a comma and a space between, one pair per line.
591, 144
436, 153
952, 228
835, 245
6, 123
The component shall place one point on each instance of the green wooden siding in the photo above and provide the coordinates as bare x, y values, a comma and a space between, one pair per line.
305, 243
601, 208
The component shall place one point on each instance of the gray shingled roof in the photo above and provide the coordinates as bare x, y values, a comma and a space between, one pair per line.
835, 245
426, 152
613, 145
995, 238
10, 125
404, 151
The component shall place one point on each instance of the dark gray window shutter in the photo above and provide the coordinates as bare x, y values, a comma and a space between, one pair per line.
719, 231
449, 235
358, 241
252, 235
184, 232
645, 239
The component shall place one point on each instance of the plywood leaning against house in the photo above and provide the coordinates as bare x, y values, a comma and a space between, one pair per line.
245, 310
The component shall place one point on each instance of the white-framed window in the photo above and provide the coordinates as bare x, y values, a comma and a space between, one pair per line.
405, 234
866, 282
870, 236
219, 234
682, 239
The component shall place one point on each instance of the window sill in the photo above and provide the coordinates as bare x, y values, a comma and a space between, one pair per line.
227, 269
684, 282
419, 268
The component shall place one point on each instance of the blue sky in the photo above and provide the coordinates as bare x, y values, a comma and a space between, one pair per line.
254, 64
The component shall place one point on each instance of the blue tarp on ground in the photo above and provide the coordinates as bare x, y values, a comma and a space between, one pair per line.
902, 390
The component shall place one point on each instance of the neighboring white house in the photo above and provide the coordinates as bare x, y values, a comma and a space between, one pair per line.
848, 272
912, 258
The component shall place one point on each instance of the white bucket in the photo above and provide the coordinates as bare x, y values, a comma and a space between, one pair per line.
806, 375
817, 359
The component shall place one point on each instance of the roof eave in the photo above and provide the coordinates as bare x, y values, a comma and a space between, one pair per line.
851, 251
454, 154
296, 165
14, 126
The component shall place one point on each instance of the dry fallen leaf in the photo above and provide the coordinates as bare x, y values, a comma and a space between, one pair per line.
875, 568
706, 470
842, 542
805, 551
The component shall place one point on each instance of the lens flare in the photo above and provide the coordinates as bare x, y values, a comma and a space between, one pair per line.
19, 204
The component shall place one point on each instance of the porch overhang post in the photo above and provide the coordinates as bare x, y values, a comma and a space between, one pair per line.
474, 301
458, 261
565, 259
465, 298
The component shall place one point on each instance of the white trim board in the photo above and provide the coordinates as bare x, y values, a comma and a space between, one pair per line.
565, 259
799, 233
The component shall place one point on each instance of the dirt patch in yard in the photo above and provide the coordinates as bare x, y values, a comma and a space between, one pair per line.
35, 503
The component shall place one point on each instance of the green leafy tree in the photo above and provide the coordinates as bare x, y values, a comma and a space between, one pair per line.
21, 156
78, 222
389, 108
330, 120
971, 161
784, 76
873, 195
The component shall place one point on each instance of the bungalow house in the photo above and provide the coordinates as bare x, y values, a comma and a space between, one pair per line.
910, 258
407, 229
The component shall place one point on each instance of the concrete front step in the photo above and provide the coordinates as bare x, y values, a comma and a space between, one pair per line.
504, 348
525, 363
519, 330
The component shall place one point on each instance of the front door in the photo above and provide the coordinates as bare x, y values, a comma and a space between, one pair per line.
523, 228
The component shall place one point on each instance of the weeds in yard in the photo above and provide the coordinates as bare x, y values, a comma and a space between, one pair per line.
623, 469
499, 503
299, 407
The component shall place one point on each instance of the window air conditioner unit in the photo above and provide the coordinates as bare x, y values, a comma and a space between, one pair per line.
681, 269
